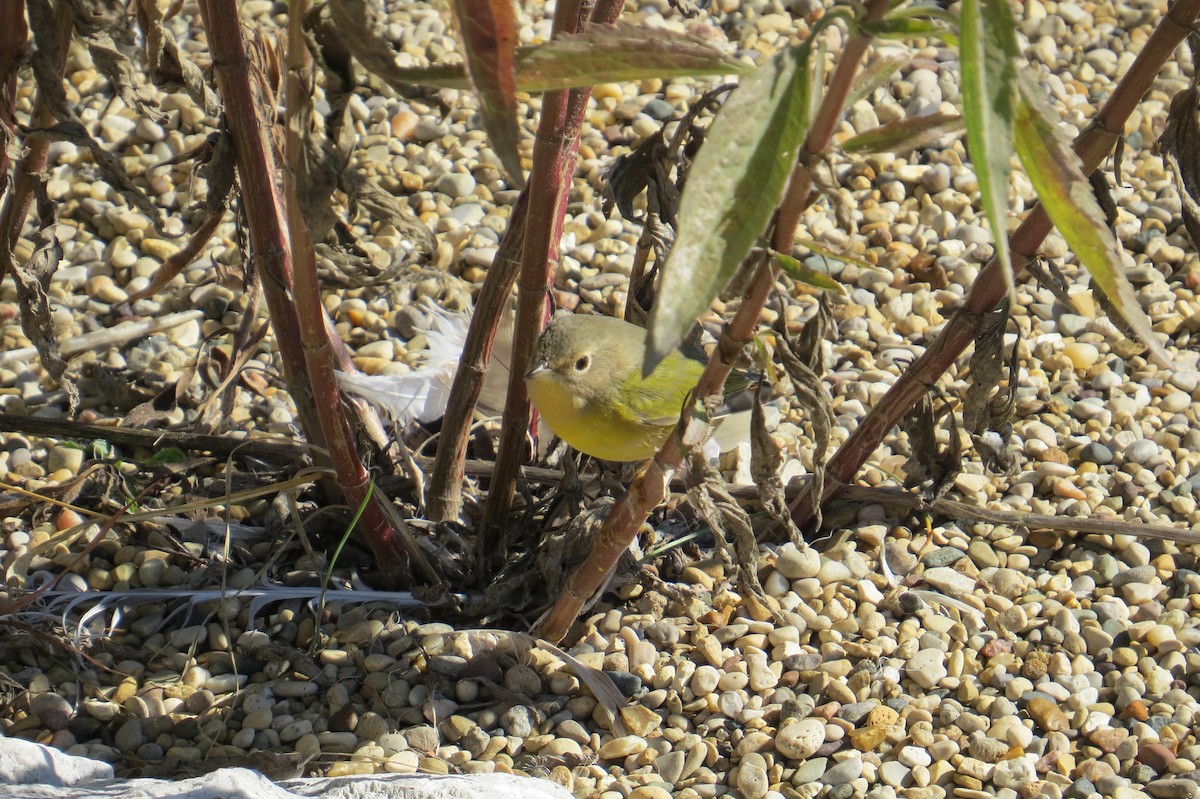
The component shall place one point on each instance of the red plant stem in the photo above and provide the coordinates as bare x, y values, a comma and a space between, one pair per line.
260, 199
1092, 145
446, 478
14, 44
445, 495
553, 165
649, 486
388, 545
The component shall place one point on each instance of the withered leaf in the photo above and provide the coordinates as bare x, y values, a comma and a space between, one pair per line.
33, 280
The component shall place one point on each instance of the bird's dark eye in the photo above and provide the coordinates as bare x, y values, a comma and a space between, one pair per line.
582, 363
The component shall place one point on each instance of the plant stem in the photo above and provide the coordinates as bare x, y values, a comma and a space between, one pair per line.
553, 164
649, 486
446, 481
260, 199
1092, 145
14, 44
391, 547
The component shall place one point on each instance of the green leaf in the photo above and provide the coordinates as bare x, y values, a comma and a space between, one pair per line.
825, 252
908, 28
1063, 190
810, 277
988, 53
732, 190
489, 32
875, 74
617, 53
905, 135
598, 54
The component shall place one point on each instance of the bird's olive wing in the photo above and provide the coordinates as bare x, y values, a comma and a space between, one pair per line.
658, 399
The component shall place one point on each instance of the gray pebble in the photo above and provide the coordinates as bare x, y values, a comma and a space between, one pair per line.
943, 556
1096, 453
846, 771
1071, 325
1141, 451
455, 184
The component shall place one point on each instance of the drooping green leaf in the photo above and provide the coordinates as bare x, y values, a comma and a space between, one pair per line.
988, 52
1063, 190
908, 28
905, 135
825, 252
733, 187
797, 271
617, 53
489, 33
875, 74
598, 54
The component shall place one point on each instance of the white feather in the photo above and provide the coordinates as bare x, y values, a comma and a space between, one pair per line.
424, 393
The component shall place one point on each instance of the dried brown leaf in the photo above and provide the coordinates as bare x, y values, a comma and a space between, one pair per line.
987, 367
804, 364
95, 24
766, 459
167, 61
929, 466
1180, 147
33, 281
708, 494
647, 168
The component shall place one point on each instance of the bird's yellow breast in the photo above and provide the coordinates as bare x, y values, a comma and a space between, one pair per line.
591, 429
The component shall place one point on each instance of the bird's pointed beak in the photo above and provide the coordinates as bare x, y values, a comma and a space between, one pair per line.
536, 369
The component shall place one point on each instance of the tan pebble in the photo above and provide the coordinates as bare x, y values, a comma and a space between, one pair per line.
1081, 354
404, 123
371, 366
882, 716
621, 747
649, 792
1068, 490
158, 248
640, 720
102, 288
348, 768
867, 738
1109, 738
799, 739
1047, 715
433, 765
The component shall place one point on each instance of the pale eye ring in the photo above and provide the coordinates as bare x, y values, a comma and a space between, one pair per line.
583, 363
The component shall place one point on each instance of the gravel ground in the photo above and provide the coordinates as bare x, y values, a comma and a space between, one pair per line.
959, 660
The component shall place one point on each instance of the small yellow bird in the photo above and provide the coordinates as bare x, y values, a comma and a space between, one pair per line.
586, 381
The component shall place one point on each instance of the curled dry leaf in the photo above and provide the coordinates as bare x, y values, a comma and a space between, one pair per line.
168, 62
33, 280
987, 407
709, 495
1180, 146
804, 363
